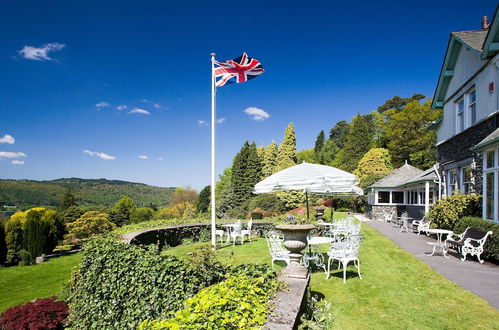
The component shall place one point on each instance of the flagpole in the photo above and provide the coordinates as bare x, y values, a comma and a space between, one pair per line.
213, 121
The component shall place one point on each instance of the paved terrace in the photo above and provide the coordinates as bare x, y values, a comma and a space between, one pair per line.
481, 279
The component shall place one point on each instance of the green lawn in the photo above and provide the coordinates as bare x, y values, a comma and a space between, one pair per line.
397, 290
21, 284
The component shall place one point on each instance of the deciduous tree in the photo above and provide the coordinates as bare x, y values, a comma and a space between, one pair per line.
375, 164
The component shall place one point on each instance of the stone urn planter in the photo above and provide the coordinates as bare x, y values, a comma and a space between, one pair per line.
295, 240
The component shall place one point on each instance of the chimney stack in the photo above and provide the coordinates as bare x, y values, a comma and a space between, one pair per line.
485, 22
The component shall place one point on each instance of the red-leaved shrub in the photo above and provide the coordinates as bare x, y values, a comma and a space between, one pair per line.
44, 313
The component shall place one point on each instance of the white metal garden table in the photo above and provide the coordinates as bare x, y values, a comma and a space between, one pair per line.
314, 254
439, 243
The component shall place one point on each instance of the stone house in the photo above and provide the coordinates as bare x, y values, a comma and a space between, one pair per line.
406, 189
467, 135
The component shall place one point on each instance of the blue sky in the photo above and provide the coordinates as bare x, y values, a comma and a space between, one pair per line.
325, 61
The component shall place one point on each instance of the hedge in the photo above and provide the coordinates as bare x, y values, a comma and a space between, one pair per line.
119, 285
491, 248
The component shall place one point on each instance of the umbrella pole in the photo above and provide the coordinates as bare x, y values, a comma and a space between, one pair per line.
308, 215
332, 208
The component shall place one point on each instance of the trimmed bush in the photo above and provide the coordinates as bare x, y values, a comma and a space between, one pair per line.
240, 302
36, 234
491, 248
3, 244
13, 238
39, 314
447, 211
119, 285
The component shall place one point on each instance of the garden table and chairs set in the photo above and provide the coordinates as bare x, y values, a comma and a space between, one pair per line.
470, 242
233, 231
343, 238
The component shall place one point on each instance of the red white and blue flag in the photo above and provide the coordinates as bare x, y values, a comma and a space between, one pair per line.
238, 70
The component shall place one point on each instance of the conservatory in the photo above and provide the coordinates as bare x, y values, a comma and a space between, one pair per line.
406, 189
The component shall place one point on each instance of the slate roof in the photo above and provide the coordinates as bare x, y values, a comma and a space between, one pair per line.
474, 39
398, 177
428, 175
490, 139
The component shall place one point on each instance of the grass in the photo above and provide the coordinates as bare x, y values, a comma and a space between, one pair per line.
397, 291
21, 284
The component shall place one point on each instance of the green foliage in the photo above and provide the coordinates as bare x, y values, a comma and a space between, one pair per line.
39, 234
90, 224
374, 165
70, 214
204, 200
491, 248
142, 214
246, 172
240, 302
397, 103
68, 200
447, 211
307, 155
319, 145
358, 141
118, 285
291, 199
407, 134
89, 192
338, 133
3, 244
270, 160
13, 237
122, 211
203, 259
268, 202
25, 258
287, 150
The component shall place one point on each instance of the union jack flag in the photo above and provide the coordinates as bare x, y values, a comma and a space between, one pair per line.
241, 69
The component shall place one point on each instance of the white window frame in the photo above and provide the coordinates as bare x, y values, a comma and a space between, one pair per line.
495, 196
471, 107
460, 120
464, 116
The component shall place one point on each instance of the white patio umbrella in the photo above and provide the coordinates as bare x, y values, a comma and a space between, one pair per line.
314, 178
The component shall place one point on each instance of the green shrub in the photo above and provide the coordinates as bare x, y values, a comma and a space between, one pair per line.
24, 258
13, 237
142, 214
491, 248
39, 233
447, 211
90, 224
240, 302
256, 215
119, 285
3, 244
268, 202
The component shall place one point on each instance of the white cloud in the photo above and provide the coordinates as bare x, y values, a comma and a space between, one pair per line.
157, 105
17, 162
160, 158
143, 157
102, 105
221, 120
9, 154
9, 139
99, 154
122, 107
139, 111
257, 114
40, 53
202, 123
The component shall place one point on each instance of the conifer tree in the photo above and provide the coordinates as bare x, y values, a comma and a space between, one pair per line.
261, 153
287, 150
67, 200
204, 199
239, 182
269, 159
359, 140
319, 146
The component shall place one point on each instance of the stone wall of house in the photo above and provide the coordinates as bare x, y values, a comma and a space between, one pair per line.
381, 212
458, 147
390, 212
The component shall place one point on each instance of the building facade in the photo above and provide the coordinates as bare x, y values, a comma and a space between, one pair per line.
467, 149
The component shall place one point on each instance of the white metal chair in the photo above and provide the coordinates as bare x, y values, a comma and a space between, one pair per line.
276, 248
221, 233
345, 251
422, 225
247, 232
237, 232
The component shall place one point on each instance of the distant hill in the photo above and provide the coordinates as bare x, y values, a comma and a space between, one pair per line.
26, 193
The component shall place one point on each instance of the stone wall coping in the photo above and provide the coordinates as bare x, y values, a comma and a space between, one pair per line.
287, 304
128, 237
